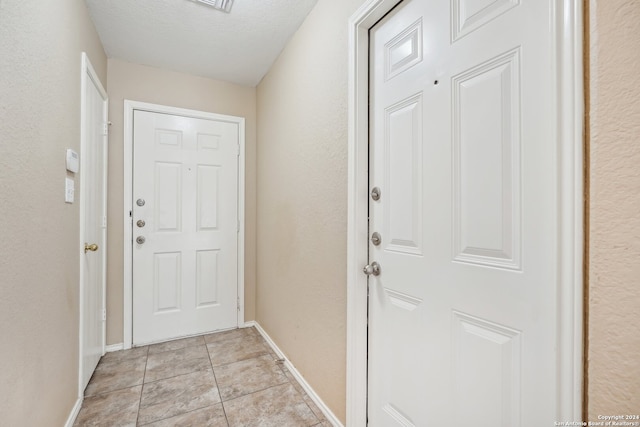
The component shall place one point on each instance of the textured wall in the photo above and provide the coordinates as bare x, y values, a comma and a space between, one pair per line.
40, 56
614, 234
302, 200
156, 86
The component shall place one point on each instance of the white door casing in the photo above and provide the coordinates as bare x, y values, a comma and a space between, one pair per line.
498, 320
187, 276
93, 226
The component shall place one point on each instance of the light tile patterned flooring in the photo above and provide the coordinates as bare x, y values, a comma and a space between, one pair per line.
228, 379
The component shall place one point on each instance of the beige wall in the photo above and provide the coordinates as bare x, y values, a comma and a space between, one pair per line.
40, 48
302, 200
614, 232
156, 86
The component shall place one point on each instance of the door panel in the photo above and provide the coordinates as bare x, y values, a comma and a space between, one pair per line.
487, 163
462, 146
403, 172
185, 274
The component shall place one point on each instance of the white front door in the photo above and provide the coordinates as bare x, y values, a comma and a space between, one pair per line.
185, 226
93, 199
463, 150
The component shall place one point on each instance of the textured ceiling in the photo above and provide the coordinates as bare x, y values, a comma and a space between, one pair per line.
191, 37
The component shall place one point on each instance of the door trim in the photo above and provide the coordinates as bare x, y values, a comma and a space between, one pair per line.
570, 110
89, 76
129, 108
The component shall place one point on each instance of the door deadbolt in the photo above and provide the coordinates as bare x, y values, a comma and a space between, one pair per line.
376, 238
140, 240
373, 268
141, 223
140, 202
375, 194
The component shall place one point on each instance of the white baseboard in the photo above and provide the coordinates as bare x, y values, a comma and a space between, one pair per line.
330, 416
114, 347
74, 413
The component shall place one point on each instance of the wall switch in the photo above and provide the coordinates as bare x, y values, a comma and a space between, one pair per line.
69, 190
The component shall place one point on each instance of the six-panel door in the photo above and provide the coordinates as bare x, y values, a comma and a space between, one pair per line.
185, 191
463, 148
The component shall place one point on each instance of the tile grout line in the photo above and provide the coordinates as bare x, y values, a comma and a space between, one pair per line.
142, 387
213, 371
179, 415
255, 391
175, 376
179, 348
239, 360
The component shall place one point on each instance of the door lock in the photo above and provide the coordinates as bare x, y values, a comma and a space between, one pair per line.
140, 240
141, 223
373, 268
375, 194
376, 239
140, 202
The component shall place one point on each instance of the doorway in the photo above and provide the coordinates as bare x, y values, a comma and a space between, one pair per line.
93, 221
184, 228
472, 277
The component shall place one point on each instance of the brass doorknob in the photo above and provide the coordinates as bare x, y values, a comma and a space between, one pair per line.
90, 247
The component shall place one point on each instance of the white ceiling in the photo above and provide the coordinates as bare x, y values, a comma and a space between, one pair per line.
193, 38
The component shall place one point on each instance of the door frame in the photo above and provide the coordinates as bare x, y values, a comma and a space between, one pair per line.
89, 76
570, 193
129, 108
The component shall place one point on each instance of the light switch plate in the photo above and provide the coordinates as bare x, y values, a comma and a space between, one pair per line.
69, 190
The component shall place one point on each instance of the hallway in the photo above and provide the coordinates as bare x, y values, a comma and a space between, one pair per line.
230, 378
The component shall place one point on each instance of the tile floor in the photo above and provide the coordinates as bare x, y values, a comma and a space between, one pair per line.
225, 379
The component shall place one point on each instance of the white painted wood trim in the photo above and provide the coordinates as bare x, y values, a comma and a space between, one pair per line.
241, 217
88, 73
129, 107
74, 413
357, 228
568, 18
114, 347
329, 415
570, 90
105, 214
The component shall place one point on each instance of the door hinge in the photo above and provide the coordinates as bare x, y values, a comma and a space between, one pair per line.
238, 150
104, 315
238, 303
104, 221
105, 128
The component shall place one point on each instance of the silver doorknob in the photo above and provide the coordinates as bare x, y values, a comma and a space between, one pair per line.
373, 268
141, 223
140, 202
140, 240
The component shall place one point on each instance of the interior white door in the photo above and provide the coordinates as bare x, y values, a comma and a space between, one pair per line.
93, 192
462, 326
185, 226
